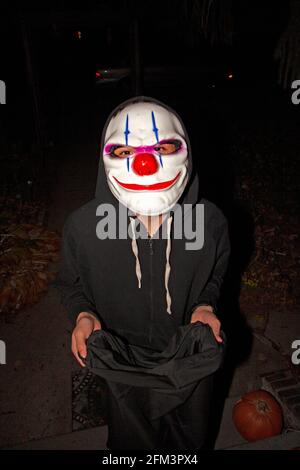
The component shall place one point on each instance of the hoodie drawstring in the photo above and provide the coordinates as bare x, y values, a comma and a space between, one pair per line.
168, 266
138, 271
135, 251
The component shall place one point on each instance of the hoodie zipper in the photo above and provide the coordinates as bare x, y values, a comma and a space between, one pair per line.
151, 252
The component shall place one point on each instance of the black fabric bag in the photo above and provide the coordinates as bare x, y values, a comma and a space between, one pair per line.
157, 399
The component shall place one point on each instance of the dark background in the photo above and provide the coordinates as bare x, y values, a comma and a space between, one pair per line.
50, 73
221, 76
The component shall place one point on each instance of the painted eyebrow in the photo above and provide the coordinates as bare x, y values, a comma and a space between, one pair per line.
176, 142
111, 147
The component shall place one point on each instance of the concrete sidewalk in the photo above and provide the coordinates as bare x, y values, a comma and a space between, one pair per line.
36, 387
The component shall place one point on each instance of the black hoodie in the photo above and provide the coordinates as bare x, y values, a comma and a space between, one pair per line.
99, 276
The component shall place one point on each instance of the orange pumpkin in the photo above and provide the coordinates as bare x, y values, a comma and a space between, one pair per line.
257, 415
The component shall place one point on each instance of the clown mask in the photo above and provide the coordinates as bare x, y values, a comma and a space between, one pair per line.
146, 158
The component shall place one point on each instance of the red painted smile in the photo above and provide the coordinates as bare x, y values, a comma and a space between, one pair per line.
148, 187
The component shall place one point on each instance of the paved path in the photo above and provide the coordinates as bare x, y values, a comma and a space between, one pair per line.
35, 389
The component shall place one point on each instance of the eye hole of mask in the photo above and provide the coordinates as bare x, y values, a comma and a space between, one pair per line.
168, 147
122, 151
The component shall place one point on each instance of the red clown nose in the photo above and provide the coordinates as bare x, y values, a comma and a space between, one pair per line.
144, 164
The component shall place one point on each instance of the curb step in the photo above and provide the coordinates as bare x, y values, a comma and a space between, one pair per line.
228, 438
87, 439
286, 441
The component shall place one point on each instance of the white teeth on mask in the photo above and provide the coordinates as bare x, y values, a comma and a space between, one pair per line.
140, 125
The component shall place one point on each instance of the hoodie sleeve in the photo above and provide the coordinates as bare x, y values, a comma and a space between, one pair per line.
211, 293
68, 280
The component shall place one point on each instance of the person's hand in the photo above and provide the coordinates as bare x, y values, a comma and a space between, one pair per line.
86, 323
205, 314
